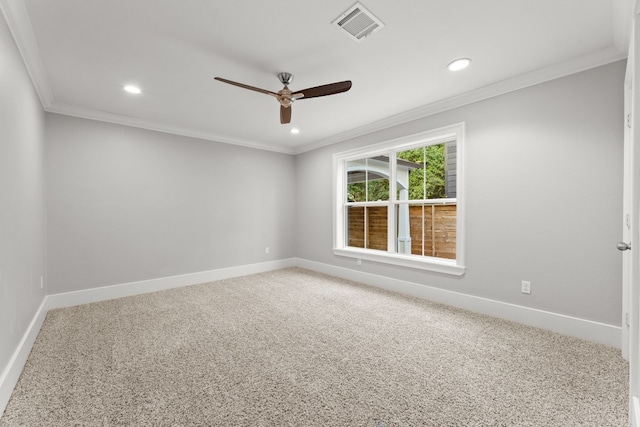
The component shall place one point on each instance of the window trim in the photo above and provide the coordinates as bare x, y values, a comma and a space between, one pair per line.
454, 267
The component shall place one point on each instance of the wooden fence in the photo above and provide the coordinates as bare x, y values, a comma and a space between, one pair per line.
432, 229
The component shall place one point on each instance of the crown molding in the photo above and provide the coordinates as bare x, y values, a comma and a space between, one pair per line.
556, 71
103, 116
17, 18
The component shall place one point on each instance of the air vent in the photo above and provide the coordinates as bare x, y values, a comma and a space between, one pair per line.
358, 22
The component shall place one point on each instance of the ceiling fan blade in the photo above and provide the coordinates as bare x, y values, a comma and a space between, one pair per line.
330, 89
256, 89
285, 115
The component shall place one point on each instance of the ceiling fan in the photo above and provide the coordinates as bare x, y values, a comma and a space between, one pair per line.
286, 97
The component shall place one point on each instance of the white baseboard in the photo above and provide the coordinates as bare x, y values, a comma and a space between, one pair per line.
12, 372
567, 325
85, 296
634, 412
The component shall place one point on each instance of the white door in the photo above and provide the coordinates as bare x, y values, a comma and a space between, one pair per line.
626, 207
630, 245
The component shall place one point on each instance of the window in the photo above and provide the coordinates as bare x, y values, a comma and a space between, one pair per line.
401, 202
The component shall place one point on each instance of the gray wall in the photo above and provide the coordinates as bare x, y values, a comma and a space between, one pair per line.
21, 198
127, 204
544, 196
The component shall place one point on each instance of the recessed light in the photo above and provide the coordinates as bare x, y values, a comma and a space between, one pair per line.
294, 131
132, 89
459, 64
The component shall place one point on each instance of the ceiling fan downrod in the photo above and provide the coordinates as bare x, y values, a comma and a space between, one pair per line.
285, 78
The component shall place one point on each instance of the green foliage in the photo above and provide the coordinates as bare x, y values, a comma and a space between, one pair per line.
378, 190
424, 183
427, 183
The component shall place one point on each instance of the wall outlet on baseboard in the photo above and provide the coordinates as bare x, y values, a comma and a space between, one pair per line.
359, 261
526, 287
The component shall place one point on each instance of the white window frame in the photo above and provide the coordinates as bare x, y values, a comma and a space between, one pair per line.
436, 136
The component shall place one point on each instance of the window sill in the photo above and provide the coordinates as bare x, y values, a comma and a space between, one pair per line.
438, 265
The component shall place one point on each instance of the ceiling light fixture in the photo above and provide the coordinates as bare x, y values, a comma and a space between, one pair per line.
132, 89
295, 131
459, 64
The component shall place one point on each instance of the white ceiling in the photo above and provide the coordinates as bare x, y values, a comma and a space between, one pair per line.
80, 54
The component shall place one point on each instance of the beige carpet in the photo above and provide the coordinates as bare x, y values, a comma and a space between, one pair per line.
296, 348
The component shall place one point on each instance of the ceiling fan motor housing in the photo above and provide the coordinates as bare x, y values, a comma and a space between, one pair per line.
284, 96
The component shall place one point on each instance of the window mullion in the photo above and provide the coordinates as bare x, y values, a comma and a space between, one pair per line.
366, 180
424, 175
422, 230
392, 207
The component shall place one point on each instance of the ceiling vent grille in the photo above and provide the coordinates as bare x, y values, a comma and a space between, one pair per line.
358, 22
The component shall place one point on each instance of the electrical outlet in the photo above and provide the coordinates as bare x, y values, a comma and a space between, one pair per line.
266, 250
41, 282
526, 287
359, 261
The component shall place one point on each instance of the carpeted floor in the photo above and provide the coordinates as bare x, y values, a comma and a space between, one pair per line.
296, 348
